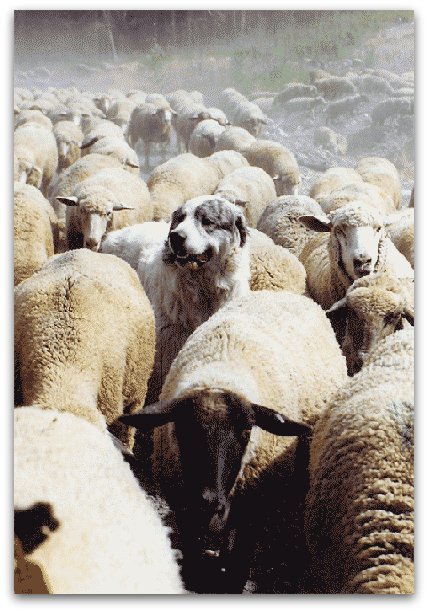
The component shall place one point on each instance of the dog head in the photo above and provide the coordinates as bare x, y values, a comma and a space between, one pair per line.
203, 228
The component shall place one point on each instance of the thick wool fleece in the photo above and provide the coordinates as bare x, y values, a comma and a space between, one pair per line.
275, 348
84, 338
272, 267
327, 281
108, 537
359, 515
280, 221
34, 230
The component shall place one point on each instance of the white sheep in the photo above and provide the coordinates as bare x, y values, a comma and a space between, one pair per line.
118, 148
334, 87
250, 117
69, 138
280, 221
254, 369
107, 200
344, 107
297, 105
333, 178
120, 113
205, 137
37, 154
381, 172
330, 140
372, 195
354, 246
152, 124
34, 231
234, 138
265, 104
83, 525
278, 161
101, 130
251, 188
189, 114
273, 267
84, 338
359, 508
294, 90
32, 116
392, 111
217, 115
400, 228
374, 307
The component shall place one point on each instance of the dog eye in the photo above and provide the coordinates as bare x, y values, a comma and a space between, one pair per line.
208, 224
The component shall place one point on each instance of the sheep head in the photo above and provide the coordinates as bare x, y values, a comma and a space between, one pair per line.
374, 307
356, 234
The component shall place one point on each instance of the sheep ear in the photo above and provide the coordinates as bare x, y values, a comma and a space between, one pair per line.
131, 164
152, 415
71, 201
338, 310
119, 206
277, 423
264, 121
242, 229
241, 203
89, 143
316, 223
409, 315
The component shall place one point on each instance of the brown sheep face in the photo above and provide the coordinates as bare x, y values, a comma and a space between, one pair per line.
371, 315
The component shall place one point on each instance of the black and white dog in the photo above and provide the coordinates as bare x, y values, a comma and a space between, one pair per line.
203, 263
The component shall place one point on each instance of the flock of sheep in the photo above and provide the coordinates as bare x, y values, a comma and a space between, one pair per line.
213, 372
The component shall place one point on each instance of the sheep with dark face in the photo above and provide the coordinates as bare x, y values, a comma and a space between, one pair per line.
374, 307
245, 381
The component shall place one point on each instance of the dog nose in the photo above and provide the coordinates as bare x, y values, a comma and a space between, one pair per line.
176, 240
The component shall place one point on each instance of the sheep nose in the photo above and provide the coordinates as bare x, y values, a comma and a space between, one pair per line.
91, 244
176, 240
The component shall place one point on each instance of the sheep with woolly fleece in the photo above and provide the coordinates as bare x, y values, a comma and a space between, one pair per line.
273, 267
278, 161
344, 107
83, 525
330, 140
120, 113
102, 129
297, 105
317, 74
109, 199
333, 178
394, 79
334, 87
217, 115
253, 369
294, 90
361, 478
251, 188
189, 113
37, 154
69, 138
280, 221
249, 116
374, 307
187, 176
404, 92
372, 84
118, 148
392, 110
32, 116
151, 124
34, 231
381, 172
400, 228
204, 137
79, 171
354, 246
264, 104
234, 138
371, 195
84, 338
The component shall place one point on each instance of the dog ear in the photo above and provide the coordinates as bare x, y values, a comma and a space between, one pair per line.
241, 225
